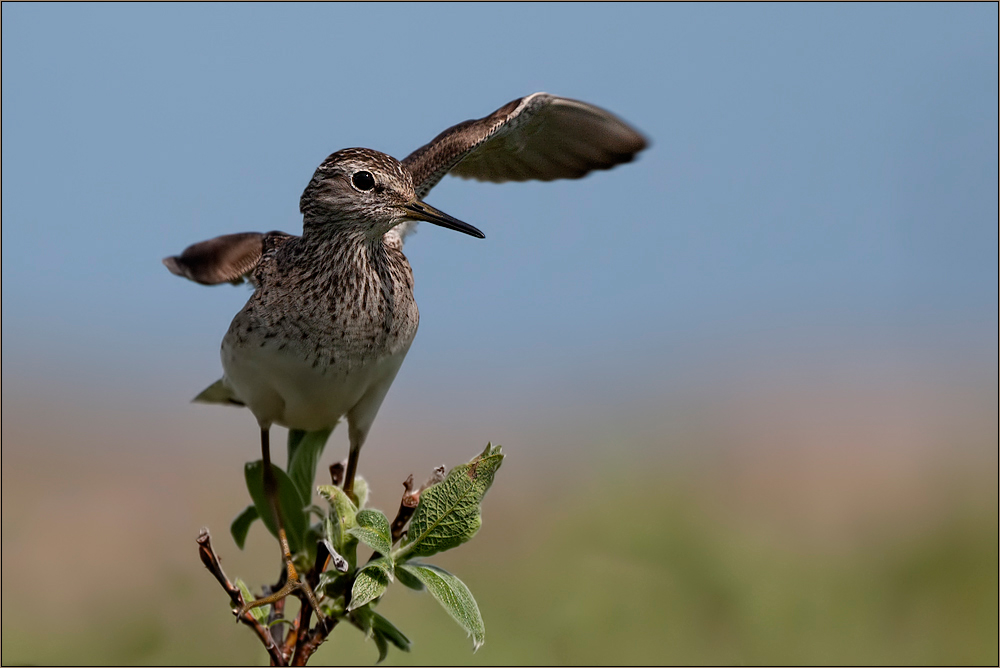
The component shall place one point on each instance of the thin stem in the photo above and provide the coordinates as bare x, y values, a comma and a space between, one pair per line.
211, 561
406, 507
294, 584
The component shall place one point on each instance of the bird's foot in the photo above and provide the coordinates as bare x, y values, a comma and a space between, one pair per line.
293, 584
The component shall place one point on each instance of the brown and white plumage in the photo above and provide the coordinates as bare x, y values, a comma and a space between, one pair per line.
226, 259
332, 314
538, 137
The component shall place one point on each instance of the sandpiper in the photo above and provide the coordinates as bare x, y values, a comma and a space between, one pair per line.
332, 314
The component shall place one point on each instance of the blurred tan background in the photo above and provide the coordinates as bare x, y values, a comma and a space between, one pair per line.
822, 515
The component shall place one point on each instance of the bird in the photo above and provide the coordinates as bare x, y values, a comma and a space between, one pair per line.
332, 314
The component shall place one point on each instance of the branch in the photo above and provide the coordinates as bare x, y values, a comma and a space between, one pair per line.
211, 562
407, 505
337, 472
277, 610
300, 642
410, 500
304, 641
310, 641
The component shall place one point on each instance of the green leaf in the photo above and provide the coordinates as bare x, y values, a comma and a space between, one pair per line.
373, 530
408, 580
291, 502
371, 582
381, 630
341, 520
329, 583
382, 645
449, 512
383, 626
241, 525
304, 450
340, 502
260, 613
454, 596
295, 437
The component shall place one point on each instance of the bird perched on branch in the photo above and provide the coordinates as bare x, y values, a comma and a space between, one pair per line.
332, 314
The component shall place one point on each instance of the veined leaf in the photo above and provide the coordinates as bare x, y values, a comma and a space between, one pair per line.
454, 596
304, 450
371, 582
241, 525
292, 503
373, 530
449, 512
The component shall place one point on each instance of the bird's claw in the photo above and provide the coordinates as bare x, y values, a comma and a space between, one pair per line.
290, 586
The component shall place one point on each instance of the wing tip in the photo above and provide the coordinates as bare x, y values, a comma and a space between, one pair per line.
174, 265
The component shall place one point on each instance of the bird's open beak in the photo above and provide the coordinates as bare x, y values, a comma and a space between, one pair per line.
417, 210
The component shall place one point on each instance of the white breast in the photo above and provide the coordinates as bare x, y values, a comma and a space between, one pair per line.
281, 387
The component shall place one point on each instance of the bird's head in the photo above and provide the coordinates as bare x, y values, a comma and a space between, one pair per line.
364, 190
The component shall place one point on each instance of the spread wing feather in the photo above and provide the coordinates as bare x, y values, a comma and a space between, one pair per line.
540, 136
231, 258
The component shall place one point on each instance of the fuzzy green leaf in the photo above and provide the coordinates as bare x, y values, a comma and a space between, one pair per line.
304, 450
241, 525
260, 613
454, 596
449, 512
373, 530
291, 502
342, 519
371, 582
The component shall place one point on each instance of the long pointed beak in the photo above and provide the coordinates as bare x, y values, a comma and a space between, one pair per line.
417, 210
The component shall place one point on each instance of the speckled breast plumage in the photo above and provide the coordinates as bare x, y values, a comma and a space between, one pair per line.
326, 313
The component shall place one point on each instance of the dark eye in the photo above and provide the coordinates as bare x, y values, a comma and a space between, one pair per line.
363, 180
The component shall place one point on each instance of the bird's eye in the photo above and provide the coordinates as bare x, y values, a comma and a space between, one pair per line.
363, 180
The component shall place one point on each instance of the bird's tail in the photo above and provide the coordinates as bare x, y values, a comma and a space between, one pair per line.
218, 393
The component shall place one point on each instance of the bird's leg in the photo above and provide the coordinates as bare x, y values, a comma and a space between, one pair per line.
294, 581
352, 468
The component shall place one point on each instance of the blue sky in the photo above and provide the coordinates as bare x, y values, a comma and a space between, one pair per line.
821, 178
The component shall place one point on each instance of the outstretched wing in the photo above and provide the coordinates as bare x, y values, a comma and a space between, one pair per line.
540, 136
230, 258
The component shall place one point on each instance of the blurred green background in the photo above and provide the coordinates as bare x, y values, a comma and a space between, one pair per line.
747, 386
